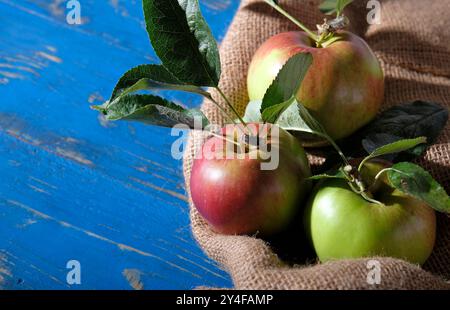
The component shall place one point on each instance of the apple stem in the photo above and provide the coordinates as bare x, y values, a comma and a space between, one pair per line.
366, 197
361, 191
335, 146
352, 186
311, 34
363, 162
353, 181
381, 172
386, 170
339, 152
230, 105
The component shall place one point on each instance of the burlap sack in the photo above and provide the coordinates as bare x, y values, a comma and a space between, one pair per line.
413, 45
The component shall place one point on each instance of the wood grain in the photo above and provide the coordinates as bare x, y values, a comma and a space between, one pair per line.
73, 185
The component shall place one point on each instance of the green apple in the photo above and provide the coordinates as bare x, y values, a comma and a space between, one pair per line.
342, 224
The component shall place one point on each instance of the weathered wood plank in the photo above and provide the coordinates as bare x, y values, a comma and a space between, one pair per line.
74, 186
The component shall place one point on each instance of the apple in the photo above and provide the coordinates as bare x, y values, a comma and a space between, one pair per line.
342, 224
235, 195
343, 88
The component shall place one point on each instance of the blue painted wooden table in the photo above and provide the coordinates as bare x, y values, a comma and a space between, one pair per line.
73, 186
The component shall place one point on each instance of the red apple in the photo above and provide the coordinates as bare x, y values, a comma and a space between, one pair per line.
235, 195
343, 88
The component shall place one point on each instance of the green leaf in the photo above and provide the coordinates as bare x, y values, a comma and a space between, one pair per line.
418, 183
152, 77
183, 41
289, 120
371, 143
330, 7
297, 118
287, 82
152, 110
395, 147
148, 84
148, 108
273, 113
342, 4
332, 175
156, 73
406, 121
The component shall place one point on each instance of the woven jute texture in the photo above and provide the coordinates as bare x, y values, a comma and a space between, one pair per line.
413, 45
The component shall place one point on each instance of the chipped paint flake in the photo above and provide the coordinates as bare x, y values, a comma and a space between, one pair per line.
95, 97
19, 68
142, 169
23, 137
161, 189
133, 277
56, 7
42, 182
19, 58
4, 272
73, 155
32, 211
104, 122
37, 189
52, 49
217, 5
71, 140
50, 57
119, 8
11, 75
28, 222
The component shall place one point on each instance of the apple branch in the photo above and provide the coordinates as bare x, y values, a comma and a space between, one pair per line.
230, 105
311, 34
209, 97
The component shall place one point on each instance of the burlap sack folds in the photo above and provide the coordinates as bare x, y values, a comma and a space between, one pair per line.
413, 44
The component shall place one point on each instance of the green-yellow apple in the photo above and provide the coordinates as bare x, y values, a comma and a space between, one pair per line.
233, 190
342, 224
343, 88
